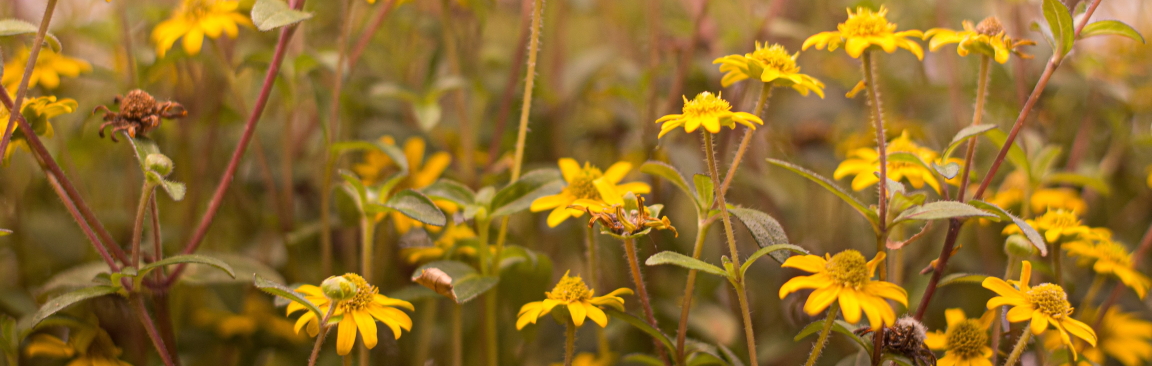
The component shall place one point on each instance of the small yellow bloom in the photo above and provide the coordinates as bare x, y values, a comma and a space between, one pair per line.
965, 342
358, 313
1041, 305
988, 38
1109, 257
1123, 336
196, 19
865, 164
590, 359
258, 315
864, 29
50, 66
846, 277
377, 167
577, 298
587, 187
1055, 225
451, 235
710, 111
38, 112
1067, 199
87, 345
770, 64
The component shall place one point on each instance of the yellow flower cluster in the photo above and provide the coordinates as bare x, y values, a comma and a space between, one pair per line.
1043, 305
707, 110
38, 112
864, 163
987, 38
50, 67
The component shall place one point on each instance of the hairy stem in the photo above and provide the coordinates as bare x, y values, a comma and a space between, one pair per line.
320, 337
150, 327
765, 93
818, 347
689, 290
877, 112
569, 342
138, 229
642, 292
1021, 344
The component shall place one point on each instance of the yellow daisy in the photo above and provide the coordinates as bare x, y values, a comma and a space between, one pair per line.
441, 247
38, 112
258, 314
358, 313
196, 19
965, 342
846, 277
988, 38
1123, 336
50, 66
1041, 305
587, 187
1067, 199
770, 64
1109, 257
577, 298
89, 345
1055, 225
864, 29
865, 164
710, 111
377, 167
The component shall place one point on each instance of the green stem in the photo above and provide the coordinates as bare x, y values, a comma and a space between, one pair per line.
569, 342
141, 211
642, 292
593, 274
977, 117
689, 290
877, 110
331, 131
325, 215
367, 256
738, 282
488, 267
818, 348
765, 93
428, 316
1014, 357
320, 337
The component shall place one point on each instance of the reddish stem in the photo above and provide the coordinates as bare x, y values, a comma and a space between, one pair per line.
150, 327
366, 36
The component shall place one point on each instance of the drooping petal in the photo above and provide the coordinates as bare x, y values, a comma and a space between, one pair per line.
345, 335
820, 299
579, 312
1039, 323
850, 304
597, 315
367, 327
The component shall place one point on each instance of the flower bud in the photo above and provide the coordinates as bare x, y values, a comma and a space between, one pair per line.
338, 288
1018, 246
158, 163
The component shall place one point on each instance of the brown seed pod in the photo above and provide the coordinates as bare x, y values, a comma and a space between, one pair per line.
437, 280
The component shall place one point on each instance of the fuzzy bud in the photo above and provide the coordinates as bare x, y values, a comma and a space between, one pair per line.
338, 288
158, 163
1018, 246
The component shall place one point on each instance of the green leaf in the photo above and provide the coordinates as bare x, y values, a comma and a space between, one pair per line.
188, 258
681, 260
910, 158
1060, 25
643, 359
357, 186
643, 326
764, 229
12, 27
143, 147
447, 189
965, 134
840, 326
175, 190
941, 210
63, 301
455, 280
277, 289
417, 206
962, 278
1095, 183
1029, 232
271, 14
705, 191
1043, 161
831, 186
949, 170
518, 195
730, 356
779, 252
1015, 154
1111, 27
660, 169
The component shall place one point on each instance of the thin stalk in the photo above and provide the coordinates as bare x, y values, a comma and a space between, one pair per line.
738, 282
569, 342
157, 244
126, 33
320, 337
150, 327
457, 335
367, 256
488, 267
249, 131
138, 229
510, 84
593, 275
329, 139
818, 347
765, 93
876, 108
1021, 344
467, 135
71, 206
689, 290
642, 292
427, 325
22, 89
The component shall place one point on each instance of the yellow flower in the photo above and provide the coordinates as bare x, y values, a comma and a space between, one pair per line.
587, 187
846, 277
770, 64
865, 164
710, 111
358, 313
577, 298
88, 345
864, 29
1123, 336
1068, 199
1041, 305
1109, 257
258, 314
377, 166
988, 38
590, 359
447, 242
965, 342
1055, 225
38, 112
196, 19
50, 66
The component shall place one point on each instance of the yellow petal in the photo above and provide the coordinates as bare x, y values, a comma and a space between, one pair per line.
820, 299
578, 312
550, 202
346, 335
954, 316
616, 172
597, 316
367, 327
850, 304
1039, 323
569, 168
558, 216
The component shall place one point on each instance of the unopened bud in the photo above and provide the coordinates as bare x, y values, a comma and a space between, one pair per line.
1018, 246
158, 163
338, 288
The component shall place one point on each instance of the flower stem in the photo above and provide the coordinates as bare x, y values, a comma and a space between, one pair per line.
642, 292
818, 347
330, 132
997, 330
150, 327
569, 342
488, 267
881, 141
602, 345
367, 256
320, 337
738, 282
1021, 344
138, 229
689, 290
765, 93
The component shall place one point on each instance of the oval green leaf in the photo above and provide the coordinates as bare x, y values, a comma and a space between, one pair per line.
1060, 25
518, 195
681, 260
277, 289
941, 210
271, 14
68, 299
1111, 27
417, 206
188, 258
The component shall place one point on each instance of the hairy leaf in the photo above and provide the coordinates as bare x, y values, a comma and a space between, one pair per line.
447, 189
940, 210
271, 14
764, 228
779, 252
965, 134
188, 258
1029, 232
518, 195
68, 299
681, 260
417, 206
277, 289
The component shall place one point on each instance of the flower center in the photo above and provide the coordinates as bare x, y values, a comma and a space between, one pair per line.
990, 26
1060, 219
582, 185
966, 339
866, 23
848, 268
705, 104
196, 9
775, 57
570, 290
365, 294
1050, 299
